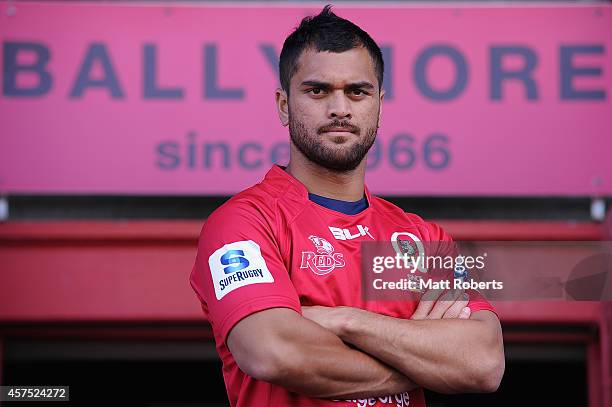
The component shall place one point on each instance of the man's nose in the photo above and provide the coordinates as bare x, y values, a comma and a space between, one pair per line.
339, 106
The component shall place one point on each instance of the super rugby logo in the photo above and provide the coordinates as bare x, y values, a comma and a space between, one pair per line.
236, 265
324, 261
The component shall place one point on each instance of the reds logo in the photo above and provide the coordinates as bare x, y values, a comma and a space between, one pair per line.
324, 261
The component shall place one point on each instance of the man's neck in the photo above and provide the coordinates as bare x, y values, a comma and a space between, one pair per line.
345, 186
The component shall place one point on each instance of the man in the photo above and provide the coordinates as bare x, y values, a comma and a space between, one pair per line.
278, 270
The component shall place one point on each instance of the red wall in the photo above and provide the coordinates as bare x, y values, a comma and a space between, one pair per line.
136, 272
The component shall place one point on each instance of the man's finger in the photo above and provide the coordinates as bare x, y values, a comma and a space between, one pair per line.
443, 304
428, 299
465, 313
455, 310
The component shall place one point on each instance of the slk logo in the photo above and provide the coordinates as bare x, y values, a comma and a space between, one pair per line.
324, 261
345, 234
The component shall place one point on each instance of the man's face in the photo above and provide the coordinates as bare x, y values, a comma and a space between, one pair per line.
334, 107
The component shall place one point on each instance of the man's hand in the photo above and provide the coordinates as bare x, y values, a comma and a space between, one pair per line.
452, 304
431, 306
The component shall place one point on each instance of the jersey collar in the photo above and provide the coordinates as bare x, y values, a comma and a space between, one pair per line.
278, 175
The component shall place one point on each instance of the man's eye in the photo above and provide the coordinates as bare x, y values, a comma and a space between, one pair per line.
316, 91
358, 92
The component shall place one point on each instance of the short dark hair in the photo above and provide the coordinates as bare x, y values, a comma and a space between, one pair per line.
325, 32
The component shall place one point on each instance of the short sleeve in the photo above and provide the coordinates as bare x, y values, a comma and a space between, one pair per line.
446, 246
238, 268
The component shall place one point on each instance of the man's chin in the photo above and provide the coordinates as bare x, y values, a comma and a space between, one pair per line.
340, 167
339, 141
338, 163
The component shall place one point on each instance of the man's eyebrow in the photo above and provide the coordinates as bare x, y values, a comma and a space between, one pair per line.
326, 86
362, 84
317, 84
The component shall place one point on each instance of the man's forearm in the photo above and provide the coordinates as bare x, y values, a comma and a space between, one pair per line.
280, 346
325, 368
444, 355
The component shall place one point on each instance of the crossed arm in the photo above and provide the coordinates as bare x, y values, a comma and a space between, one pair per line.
280, 346
344, 352
444, 355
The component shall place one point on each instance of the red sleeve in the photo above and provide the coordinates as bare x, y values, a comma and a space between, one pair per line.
238, 268
477, 302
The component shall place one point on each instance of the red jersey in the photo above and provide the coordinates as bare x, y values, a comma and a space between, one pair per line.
270, 246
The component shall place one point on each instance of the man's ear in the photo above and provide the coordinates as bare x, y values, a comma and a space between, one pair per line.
282, 106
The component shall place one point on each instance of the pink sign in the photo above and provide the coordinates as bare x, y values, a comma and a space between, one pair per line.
173, 99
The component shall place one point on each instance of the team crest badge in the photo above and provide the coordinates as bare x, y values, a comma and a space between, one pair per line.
324, 260
406, 243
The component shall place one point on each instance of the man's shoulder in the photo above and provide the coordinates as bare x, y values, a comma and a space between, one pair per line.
263, 200
255, 201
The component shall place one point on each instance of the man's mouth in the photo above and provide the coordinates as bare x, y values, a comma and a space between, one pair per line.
339, 130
